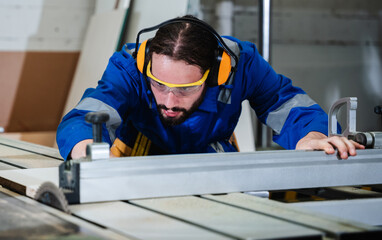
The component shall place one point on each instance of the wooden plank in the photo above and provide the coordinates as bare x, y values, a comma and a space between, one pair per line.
102, 34
140, 223
27, 181
325, 223
31, 147
25, 159
231, 221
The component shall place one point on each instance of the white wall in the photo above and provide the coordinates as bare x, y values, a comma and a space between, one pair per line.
43, 25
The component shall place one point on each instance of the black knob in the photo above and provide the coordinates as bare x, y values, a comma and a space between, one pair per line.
378, 109
97, 119
361, 138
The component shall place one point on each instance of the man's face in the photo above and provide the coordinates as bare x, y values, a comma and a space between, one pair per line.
175, 104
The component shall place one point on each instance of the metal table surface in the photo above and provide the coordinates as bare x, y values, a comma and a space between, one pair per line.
223, 216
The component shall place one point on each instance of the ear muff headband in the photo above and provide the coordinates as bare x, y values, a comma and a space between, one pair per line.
225, 67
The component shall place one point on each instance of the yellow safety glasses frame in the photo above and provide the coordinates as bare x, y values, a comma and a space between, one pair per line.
173, 85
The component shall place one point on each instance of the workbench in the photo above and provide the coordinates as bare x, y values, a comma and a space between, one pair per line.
239, 215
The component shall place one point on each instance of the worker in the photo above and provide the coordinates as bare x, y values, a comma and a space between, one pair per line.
181, 92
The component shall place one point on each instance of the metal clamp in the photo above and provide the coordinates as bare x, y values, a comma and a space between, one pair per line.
351, 105
368, 139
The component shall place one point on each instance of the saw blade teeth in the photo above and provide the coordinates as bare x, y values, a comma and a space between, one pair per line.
49, 194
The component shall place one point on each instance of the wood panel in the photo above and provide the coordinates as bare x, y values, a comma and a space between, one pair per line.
27, 181
100, 43
11, 64
25, 159
41, 91
30, 147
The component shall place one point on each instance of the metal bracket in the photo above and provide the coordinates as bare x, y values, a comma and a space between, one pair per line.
368, 139
351, 105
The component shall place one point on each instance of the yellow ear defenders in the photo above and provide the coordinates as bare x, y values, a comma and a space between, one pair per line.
221, 68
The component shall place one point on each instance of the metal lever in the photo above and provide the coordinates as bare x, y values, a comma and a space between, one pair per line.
351, 105
97, 119
97, 149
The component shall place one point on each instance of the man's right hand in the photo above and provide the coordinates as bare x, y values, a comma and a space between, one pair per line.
79, 150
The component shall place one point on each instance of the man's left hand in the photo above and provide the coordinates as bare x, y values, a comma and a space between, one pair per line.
319, 141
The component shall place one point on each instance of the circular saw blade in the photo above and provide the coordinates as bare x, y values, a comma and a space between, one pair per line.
49, 194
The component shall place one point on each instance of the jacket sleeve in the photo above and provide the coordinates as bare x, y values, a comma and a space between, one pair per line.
287, 109
117, 93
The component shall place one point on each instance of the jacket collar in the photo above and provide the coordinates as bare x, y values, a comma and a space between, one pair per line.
209, 103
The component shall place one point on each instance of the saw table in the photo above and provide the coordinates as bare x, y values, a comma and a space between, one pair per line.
201, 196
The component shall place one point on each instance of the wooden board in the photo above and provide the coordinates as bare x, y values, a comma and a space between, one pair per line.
27, 181
100, 42
31, 147
24, 159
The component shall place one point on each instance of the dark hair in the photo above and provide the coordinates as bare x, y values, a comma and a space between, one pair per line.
185, 41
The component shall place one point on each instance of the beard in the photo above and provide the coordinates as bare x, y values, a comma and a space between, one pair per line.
173, 121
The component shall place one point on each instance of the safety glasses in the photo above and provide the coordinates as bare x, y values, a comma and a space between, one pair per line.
177, 89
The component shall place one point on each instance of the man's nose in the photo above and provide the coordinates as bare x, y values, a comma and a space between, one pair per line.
171, 100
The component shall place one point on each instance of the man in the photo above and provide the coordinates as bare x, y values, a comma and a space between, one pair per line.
169, 97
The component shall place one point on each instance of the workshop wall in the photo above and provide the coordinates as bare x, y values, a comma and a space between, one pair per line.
330, 48
40, 42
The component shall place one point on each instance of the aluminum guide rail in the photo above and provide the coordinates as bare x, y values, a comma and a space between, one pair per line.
179, 175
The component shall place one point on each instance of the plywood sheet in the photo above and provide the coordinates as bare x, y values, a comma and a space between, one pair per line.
45, 138
38, 93
30, 147
27, 181
100, 42
24, 159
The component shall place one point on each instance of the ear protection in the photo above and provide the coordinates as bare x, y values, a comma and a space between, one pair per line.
221, 69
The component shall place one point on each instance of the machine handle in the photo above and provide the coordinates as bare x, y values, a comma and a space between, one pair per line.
97, 119
378, 109
351, 105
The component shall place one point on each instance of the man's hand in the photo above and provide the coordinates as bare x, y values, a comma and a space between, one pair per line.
319, 141
79, 150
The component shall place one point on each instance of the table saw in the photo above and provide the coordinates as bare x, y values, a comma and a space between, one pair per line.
192, 196
188, 196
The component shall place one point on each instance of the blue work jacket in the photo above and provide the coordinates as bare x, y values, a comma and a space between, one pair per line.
124, 93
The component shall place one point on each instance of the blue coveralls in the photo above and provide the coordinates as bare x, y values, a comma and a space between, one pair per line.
124, 94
